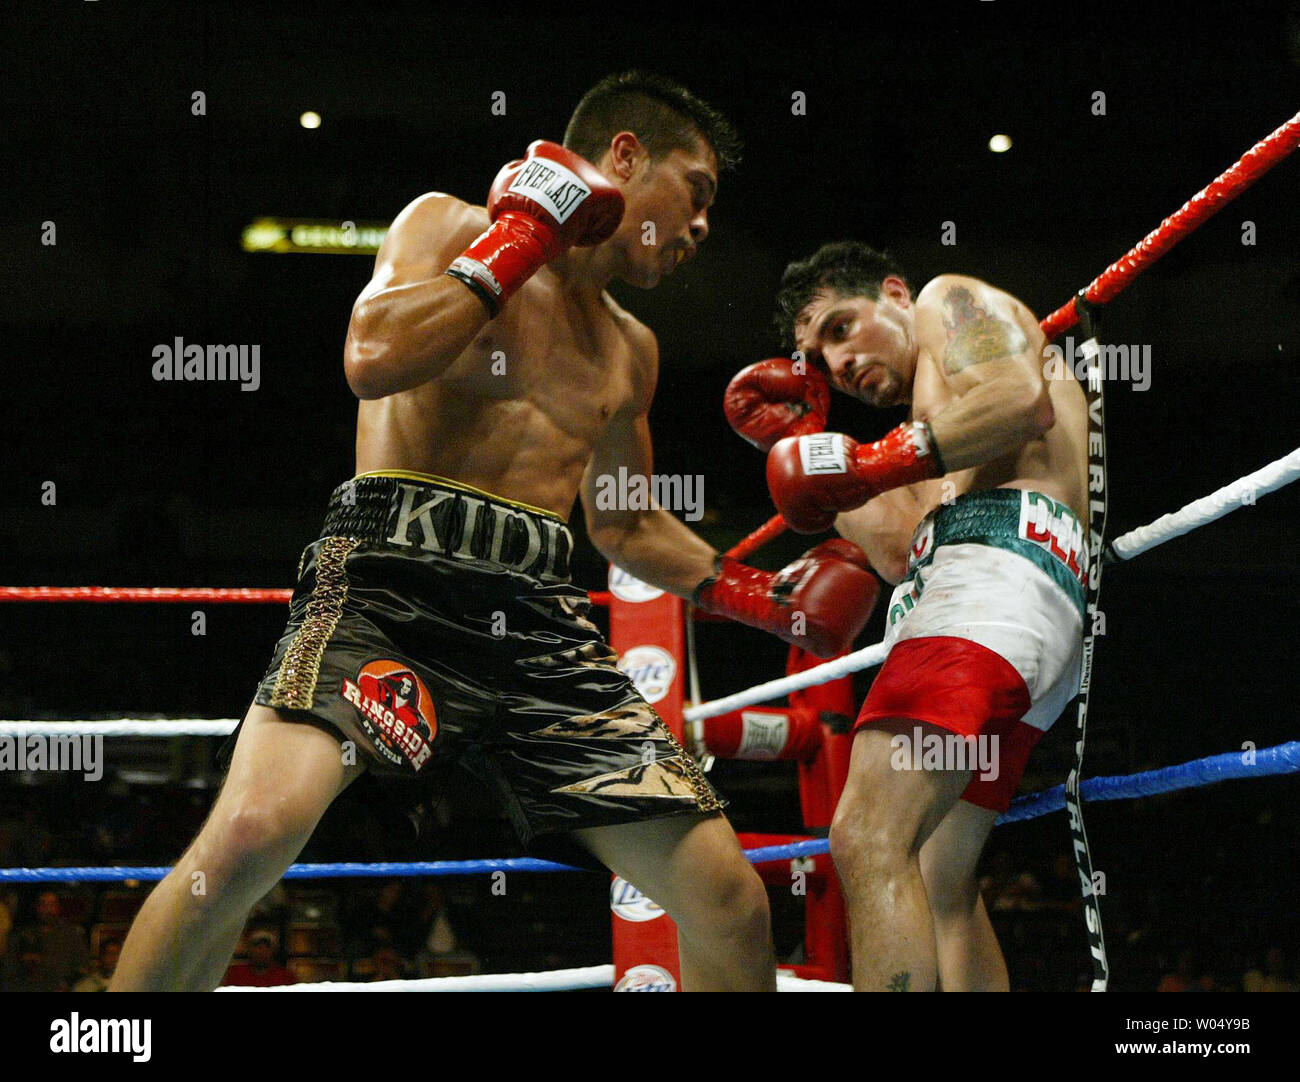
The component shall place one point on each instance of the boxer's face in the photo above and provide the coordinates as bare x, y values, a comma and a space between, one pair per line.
867, 346
672, 195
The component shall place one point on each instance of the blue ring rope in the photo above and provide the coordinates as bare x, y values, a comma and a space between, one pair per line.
1282, 759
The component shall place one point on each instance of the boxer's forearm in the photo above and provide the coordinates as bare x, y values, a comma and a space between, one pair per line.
406, 335
991, 420
657, 548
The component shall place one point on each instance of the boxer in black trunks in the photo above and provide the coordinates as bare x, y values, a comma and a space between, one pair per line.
434, 617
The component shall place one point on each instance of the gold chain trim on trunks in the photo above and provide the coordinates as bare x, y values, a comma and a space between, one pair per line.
295, 683
705, 797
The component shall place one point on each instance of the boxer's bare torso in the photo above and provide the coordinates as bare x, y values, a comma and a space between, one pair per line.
1055, 464
519, 411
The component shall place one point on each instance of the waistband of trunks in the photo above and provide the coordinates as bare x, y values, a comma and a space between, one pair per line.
1043, 530
426, 514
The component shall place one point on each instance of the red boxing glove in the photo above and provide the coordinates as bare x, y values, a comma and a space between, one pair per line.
770, 399
820, 602
541, 205
813, 478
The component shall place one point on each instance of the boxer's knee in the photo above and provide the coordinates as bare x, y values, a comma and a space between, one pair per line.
732, 902
948, 881
950, 858
246, 844
744, 900
889, 807
875, 819
951, 896
863, 835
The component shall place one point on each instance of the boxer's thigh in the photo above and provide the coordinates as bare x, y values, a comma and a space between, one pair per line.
890, 798
283, 776
691, 865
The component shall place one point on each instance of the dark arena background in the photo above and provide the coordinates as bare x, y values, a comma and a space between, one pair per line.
134, 216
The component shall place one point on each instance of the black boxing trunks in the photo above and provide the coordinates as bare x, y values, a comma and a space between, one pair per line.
434, 621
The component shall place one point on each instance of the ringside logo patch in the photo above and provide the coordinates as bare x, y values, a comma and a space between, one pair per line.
396, 709
651, 669
646, 978
630, 904
627, 587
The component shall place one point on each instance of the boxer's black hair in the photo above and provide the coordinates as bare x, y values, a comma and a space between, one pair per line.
849, 267
663, 114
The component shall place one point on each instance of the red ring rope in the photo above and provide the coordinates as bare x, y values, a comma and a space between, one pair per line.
1252, 165
163, 594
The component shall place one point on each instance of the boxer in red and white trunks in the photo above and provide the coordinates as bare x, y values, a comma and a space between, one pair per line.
434, 619
974, 508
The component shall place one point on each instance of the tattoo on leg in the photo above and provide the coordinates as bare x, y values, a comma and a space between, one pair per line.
899, 982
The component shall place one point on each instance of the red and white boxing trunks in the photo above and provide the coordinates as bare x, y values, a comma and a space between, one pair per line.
986, 631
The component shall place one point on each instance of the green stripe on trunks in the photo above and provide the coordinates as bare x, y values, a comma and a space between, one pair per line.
992, 517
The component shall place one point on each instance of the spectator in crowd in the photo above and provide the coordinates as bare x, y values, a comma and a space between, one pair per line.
442, 954
33, 843
387, 965
1183, 978
8, 906
64, 946
102, 970
263, 969
272, 907
1272, 978
25, 967
399, 914
1004, 888
1063, 892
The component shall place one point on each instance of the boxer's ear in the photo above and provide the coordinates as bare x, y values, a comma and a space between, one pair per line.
897, 290
626, 151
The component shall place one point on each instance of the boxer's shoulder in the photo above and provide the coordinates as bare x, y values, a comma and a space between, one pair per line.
437, 219
935, 293
961, 289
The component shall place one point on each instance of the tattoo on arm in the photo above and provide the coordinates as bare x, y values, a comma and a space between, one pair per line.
975, 336
899, 982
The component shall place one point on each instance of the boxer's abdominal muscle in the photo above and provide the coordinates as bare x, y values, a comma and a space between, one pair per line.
519, 426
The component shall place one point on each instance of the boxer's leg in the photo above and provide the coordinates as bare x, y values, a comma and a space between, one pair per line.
883, 818
692, 866
282, 778
970, 959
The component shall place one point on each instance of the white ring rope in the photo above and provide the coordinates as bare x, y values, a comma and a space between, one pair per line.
1208, 508
1197, 513
556, 980
775, 689
788, 982
122, 727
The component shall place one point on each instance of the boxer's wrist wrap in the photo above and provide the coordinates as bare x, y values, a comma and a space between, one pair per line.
928, 435
698, 593
481, 282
